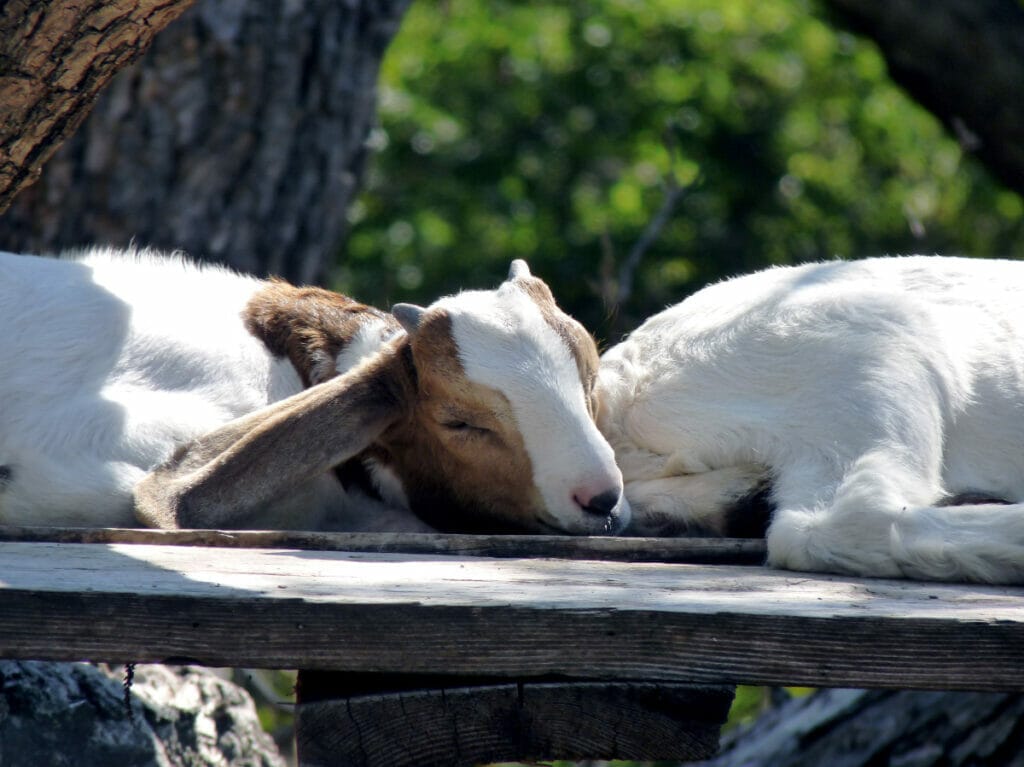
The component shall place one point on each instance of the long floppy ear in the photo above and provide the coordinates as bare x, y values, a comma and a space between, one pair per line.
222, 478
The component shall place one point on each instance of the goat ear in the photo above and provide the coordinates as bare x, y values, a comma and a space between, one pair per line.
225, 477
409, 316
518, 270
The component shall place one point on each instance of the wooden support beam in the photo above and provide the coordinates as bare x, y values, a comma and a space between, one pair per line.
452, 726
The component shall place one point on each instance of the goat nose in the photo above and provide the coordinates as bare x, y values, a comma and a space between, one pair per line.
602, 504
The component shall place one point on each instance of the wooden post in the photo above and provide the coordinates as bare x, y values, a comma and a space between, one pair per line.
365, 720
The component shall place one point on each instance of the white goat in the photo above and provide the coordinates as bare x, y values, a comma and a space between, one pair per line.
141, 387
882, 401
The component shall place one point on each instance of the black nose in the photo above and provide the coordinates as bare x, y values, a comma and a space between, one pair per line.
602, 504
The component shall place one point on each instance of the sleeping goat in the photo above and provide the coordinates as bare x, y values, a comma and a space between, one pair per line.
877, 405
143, 388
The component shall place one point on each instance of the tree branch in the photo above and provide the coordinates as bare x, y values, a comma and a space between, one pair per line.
627, 270
55, 57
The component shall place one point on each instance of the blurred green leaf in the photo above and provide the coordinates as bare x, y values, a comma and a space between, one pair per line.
548, 130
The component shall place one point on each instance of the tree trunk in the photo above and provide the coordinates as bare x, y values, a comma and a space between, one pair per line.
867, 728
54, 58
239, 137
963, 60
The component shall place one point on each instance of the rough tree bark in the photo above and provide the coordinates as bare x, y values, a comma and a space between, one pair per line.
963, 60
868, 728
239, 137
54, 59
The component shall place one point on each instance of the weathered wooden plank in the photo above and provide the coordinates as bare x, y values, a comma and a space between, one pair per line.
508, 618
477, 725
734, 551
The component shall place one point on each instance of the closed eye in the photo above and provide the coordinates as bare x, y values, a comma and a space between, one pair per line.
463, 426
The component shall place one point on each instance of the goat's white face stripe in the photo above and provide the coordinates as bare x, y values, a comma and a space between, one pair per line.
505, 343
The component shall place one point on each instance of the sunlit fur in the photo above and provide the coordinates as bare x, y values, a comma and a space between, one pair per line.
109, 362
132, 370
866, 392
506, 344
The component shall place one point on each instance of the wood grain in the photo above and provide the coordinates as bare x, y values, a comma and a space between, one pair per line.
475, 725
55, 57
505, 618
736, 551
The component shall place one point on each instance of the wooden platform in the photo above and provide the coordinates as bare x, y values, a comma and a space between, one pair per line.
503, 617
456, 650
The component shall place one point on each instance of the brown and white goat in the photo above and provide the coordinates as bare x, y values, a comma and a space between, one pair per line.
138, 387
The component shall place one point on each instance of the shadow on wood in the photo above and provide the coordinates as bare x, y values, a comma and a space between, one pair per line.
700, 551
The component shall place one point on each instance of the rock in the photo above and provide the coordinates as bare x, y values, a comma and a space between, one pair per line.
73, 715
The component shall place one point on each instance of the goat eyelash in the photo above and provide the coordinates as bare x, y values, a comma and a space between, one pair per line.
464, 426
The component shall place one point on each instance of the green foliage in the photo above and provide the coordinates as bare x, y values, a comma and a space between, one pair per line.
538, 129
748, 704
751, 702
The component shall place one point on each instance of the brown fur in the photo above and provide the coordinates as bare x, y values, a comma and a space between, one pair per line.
448, 469
309, 326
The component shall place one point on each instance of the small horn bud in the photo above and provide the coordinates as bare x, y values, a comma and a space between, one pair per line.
409, 316
519, 270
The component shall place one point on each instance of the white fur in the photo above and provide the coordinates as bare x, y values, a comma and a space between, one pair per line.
505, 343
98, 386
114, 359
367, 341
868, 391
